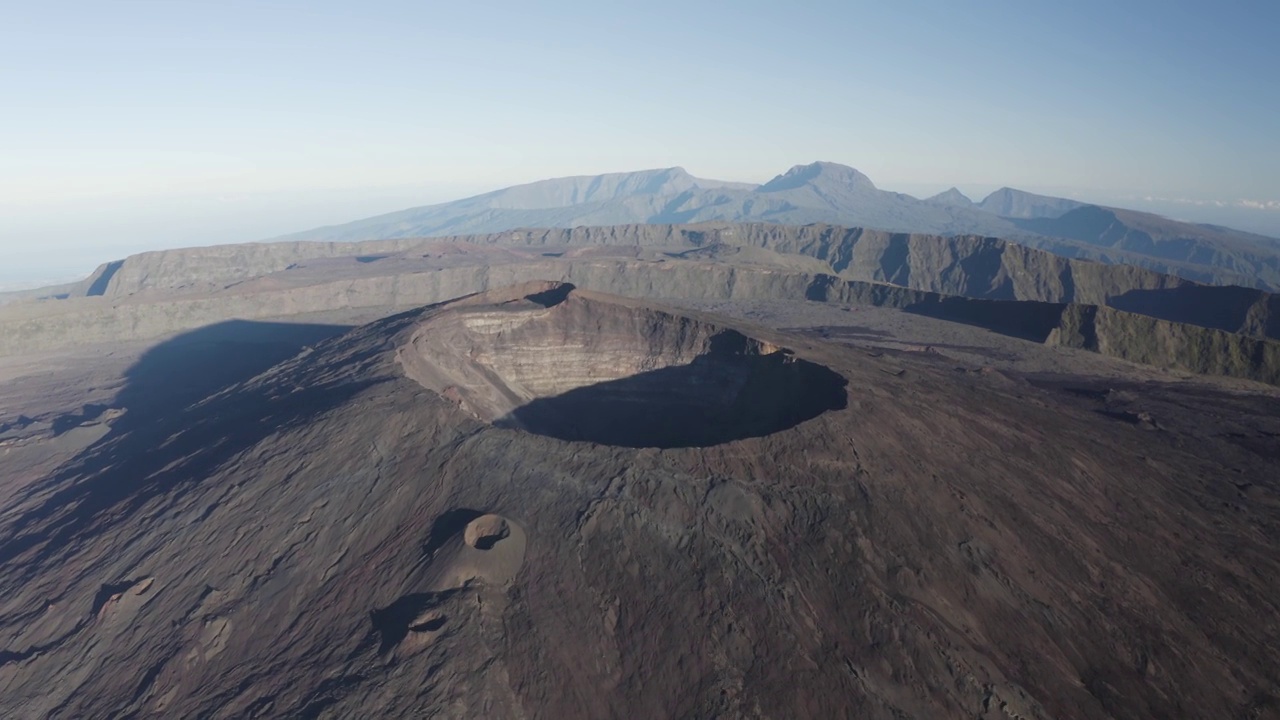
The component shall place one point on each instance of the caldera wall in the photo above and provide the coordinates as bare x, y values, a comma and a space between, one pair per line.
575, 366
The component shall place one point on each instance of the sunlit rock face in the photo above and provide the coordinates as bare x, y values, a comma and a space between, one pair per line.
556, 361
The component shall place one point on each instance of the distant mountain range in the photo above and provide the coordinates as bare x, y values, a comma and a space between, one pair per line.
825, 192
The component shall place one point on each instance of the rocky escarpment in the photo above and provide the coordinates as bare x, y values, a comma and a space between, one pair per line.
1228, 308
95, 320
1104, 330
969, 266
1158, 342
203, 269
964, 265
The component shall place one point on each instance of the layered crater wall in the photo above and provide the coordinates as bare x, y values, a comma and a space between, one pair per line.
555, 361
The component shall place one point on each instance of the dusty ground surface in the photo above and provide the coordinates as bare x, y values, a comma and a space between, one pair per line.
985, 528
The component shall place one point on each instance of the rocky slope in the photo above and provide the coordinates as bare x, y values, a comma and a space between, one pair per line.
1151, 341
1104, 330
1009, 203
202, 269
341, 536
1188, 246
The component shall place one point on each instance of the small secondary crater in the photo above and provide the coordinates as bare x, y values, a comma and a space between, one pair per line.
485, 531
555, 361
416, 614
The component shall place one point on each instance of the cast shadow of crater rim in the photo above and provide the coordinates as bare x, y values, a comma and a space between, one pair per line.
713, 400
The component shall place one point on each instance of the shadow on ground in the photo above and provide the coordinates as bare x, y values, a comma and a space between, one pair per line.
160, 443
1023, 319
1223, 307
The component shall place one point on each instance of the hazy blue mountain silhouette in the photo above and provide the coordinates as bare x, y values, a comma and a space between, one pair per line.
818, 192
951, 198
824, 192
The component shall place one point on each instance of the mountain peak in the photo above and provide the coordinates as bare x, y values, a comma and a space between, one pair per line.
657, 182
818, 172
581, 189
1009, 202
951, 198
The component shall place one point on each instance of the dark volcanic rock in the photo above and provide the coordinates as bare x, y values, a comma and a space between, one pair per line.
335, 538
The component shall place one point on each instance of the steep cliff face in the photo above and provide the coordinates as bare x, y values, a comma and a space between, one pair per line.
204, 269
969, 266
1147, 340
964, 265
1128, 335
1104, 330
91, 320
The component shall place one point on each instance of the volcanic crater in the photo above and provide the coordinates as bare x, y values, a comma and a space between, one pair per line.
553, 360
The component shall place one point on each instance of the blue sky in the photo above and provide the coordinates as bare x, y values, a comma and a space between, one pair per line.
131, 125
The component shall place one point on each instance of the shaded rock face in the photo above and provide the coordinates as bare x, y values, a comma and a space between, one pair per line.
576, 366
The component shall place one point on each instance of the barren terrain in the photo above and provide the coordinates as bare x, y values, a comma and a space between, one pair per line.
979, 526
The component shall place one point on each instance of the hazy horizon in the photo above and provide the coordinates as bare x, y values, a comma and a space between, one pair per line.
120, 228
135, 126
